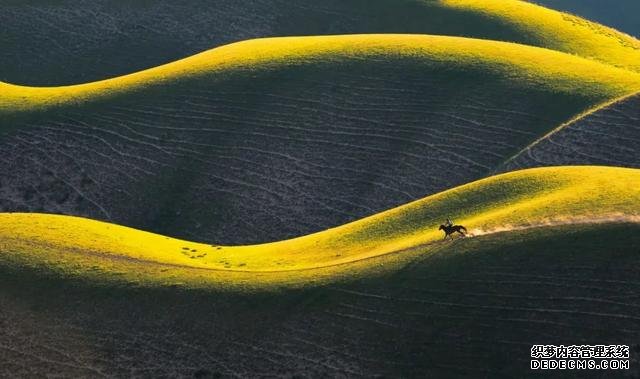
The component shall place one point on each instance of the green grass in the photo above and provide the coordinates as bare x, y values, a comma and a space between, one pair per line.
512, 64
379, 243
552, 258
457, 309
619, 14
502, 20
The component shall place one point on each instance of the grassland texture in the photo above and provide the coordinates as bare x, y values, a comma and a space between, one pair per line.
106, 252
609, 136
47, 42
293, 143
619, 14
269, 139
471, 307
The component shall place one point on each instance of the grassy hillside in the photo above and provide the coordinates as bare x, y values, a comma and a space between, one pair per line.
270, 139
521, 64
607, 136
559, 31
271, 207
538, 197
619, 14
455, 309
79, 42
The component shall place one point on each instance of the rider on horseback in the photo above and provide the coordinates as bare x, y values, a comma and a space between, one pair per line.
449, 228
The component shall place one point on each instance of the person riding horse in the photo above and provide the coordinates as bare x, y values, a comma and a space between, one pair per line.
449, 228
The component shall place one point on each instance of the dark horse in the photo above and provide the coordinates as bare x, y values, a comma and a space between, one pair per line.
449, 230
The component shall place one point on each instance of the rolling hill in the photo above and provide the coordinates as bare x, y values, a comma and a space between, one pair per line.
82, 41
608, 136
517, 200
619, 14
554, 259
455, 311
274, 138
179, 199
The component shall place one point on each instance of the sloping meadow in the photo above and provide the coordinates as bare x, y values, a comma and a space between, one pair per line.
68, 42
275, 138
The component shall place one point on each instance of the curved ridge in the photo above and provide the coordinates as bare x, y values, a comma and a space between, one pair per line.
268, 139
73, 41
560, 31
605, 135
528, 198
551, 68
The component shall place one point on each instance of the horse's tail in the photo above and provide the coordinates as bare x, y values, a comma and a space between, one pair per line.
463, 228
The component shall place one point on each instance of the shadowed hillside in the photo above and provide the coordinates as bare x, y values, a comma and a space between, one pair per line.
619, 14
472, 308
47, 42
547, 263
268, 139
609, 136
103, 252
179, 199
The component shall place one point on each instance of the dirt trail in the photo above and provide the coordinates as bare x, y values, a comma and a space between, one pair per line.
472, 232
557, 221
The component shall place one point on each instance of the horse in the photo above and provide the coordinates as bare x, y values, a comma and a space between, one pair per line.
449, 230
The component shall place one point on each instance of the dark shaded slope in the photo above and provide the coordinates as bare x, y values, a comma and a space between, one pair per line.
71, 42
270, 154
619, 14
472, 308
58, 42
609, 136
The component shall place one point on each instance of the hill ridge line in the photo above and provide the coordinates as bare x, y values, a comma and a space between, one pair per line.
355, 36
560, 127
618, 218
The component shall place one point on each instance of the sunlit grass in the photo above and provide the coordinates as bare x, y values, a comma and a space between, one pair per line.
511, 201
557, 30
518, 64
